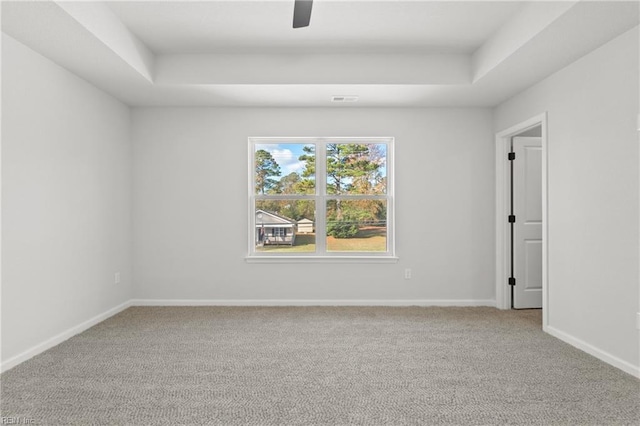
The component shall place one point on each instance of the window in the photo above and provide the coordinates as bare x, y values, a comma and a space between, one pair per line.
321, 198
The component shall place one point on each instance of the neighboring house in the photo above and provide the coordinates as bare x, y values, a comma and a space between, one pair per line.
305, 226
274, 229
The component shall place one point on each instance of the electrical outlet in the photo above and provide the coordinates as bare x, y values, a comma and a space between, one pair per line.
116, 278
407, 274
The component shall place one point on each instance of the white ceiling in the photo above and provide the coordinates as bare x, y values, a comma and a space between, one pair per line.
246, 53
336, 26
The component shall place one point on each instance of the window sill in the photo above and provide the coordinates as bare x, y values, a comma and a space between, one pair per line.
321, 259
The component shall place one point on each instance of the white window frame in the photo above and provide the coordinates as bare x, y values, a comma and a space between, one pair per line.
321, 255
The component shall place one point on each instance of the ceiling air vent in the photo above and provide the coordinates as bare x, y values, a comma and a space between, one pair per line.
344, 98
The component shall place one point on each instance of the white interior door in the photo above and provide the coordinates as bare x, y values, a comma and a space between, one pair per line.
527, 201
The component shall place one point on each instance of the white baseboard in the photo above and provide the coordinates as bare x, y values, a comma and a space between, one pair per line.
310, 302
625, 366
56, 340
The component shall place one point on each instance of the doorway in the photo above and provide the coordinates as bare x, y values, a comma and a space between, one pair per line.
521, 219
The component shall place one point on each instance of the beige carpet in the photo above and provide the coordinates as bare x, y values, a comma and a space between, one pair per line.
319, 365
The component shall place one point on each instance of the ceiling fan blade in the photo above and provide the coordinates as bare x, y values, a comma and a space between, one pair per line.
302, 13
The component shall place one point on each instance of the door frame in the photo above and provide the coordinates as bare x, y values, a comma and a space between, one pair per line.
503, 198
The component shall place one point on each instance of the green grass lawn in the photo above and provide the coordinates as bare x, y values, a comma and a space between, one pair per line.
368, 239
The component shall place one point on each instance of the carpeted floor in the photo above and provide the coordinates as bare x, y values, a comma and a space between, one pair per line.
319, 365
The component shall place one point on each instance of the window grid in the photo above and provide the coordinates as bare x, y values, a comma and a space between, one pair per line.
321, 196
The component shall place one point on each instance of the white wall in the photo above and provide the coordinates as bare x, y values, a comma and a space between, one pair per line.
66, 199
191, 208
593, 196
